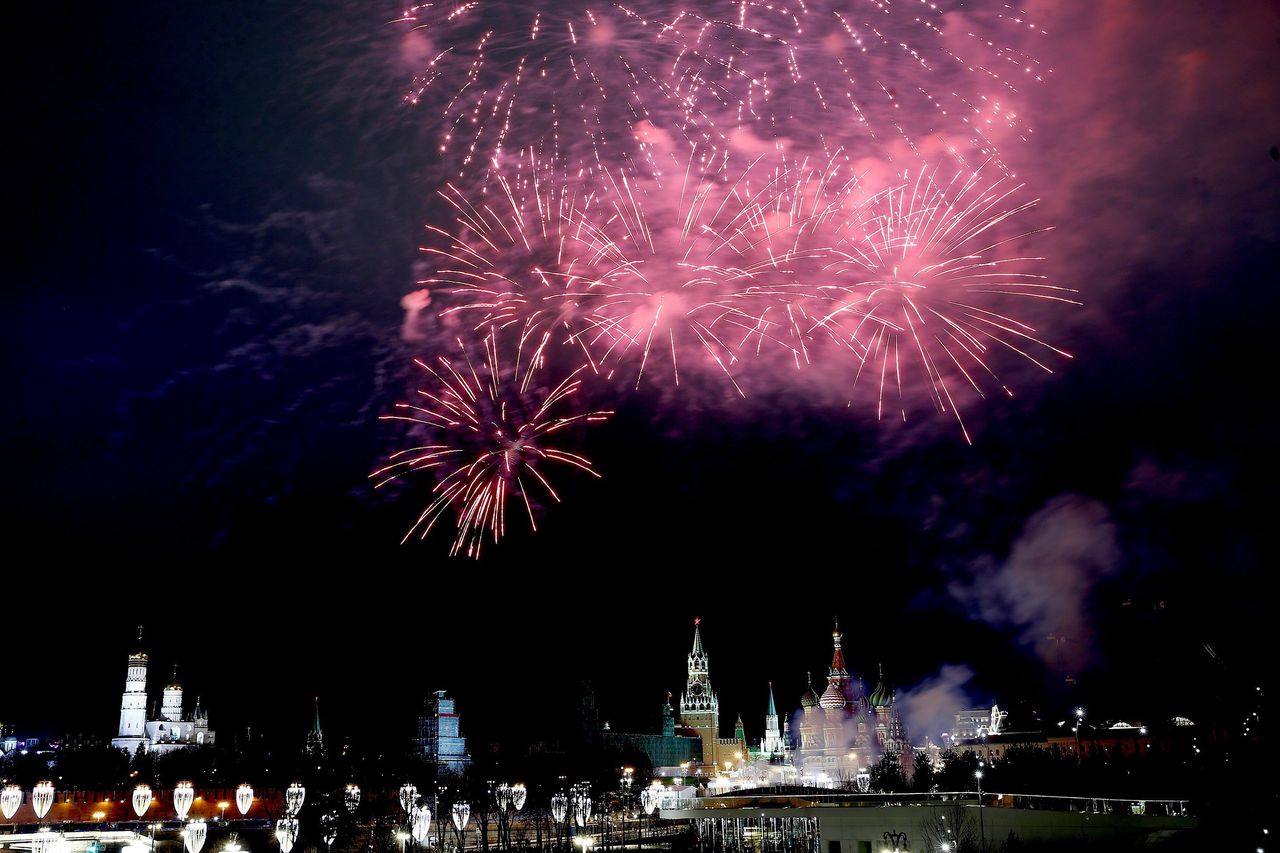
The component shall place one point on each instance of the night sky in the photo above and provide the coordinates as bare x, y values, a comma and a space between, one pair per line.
217, 211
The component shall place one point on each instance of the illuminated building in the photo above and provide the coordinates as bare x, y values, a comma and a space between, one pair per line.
440, 738
844, 732
700, 710
170, 728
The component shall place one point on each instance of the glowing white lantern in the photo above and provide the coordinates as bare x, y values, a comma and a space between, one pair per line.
581, 807
141, 799
43, 841
10, 800
244, 799
352, 798
287, 833
419, 823
649, 800
559, 806
461, 814
503, 796
408, 796
183, 796
293, 799
194, 836
518, 795
328, 828
42, 798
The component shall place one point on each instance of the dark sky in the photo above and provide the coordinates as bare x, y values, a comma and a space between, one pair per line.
217, 209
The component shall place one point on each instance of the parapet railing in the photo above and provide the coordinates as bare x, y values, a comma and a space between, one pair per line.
792, 797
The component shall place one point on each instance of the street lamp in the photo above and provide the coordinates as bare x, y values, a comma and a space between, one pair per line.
244, 799
329, 829
897, 839
982, 830
141, 799
559, 810
294, 796
408, 796
42, 799
194, 836
222, 809
581, 805
1079, 723
286, 833
420, 824
461, 814
10, 801
351, 797
648, 802
183, 796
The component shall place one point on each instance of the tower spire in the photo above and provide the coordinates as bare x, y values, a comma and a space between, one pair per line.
773, 710
697, 636
839, 672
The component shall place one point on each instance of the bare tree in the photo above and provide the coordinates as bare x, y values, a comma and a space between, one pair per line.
951, 828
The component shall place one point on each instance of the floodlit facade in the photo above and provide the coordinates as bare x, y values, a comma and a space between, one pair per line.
440, 737
170, 727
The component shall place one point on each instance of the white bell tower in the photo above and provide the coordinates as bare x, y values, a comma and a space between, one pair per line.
133, 704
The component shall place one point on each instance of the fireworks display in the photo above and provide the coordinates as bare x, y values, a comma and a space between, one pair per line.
492, 423
739, 190
589, 85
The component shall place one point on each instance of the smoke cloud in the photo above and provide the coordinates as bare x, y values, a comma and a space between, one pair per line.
930, 707
1042, 590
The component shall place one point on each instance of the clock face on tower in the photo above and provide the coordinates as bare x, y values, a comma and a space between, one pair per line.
695, 689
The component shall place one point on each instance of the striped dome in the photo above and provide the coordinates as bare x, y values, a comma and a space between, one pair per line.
832, 699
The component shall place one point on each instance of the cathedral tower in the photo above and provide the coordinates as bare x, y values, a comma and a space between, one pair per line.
133, 704
171, 705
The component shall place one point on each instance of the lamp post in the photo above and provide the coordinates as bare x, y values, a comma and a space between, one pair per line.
222, 810
294, 796
183, 796
982, 830
628, 777
194, 835
559, 810
42, 799
10, 801
329, 829
519, 793
286, 833
420, 824
244, 799
461, 814
1079, 723
141, 799
649, 802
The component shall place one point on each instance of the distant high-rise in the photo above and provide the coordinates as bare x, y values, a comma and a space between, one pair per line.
314, 747
440, 738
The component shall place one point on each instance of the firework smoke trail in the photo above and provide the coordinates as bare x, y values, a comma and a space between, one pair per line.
583, 83
928, 271
491, 427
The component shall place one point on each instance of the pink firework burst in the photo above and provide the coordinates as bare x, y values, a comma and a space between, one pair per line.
584, 84
930, 274
490, 428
